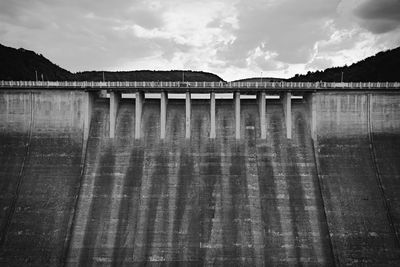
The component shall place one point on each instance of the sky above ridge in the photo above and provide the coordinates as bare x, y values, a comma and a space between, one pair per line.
231, 38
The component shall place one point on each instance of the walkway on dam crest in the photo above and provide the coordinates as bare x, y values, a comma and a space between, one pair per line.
200, 87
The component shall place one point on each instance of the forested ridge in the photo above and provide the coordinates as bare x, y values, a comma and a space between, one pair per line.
25, 65
382, 67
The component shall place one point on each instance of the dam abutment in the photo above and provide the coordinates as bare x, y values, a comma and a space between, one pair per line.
27, 135
49, 173
348, 175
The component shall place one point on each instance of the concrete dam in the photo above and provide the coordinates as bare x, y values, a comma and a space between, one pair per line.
82, 185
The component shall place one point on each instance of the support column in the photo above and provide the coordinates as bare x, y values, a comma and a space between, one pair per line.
188, 114
237, 114
138, 114
212, 115
261, 105
114, 103
163, 114
311, 100
88, 108
287, 109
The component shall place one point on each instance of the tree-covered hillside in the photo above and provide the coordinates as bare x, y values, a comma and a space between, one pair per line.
23, 65
147, 75
383, 67
260, 79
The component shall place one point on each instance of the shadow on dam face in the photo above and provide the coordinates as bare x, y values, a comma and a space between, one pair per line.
199, 201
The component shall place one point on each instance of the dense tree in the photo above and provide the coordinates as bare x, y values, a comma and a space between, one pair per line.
383, 67
23, 65
147, 75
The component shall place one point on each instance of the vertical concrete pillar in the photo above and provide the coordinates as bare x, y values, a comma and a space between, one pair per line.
237, 114
138, 114
163, 114
188, 114
261, 105
212, 115
88, 108
313, 111
287, 108
114, 103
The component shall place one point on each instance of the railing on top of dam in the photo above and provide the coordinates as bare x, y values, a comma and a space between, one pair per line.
187, 86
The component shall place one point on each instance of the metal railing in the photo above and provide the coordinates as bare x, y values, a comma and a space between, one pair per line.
221, 85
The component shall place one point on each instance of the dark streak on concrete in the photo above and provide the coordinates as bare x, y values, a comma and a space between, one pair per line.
296, 202
305, 151
208, 182
129, 209
99, 209
268, 195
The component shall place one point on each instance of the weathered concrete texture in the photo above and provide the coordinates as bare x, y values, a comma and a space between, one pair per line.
385, 134
201, 201
293, 213
15, 113
42, 176
358, 221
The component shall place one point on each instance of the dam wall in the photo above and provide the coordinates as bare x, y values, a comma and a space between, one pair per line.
327, 196
41, 147
351, 149
200, 201
385, 137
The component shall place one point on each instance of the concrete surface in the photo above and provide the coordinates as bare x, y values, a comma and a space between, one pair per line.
358, 218
41, 144
199, 201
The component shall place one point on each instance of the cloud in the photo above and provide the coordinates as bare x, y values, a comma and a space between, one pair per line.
382, 9
80, 35
320, 63
379, 16
289, 29
232, 38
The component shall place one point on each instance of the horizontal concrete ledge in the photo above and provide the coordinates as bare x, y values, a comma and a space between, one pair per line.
243, 91
202, 87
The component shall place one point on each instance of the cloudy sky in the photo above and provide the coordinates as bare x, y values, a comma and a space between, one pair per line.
232, 38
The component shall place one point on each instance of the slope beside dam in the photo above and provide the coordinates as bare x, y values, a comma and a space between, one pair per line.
116, 202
